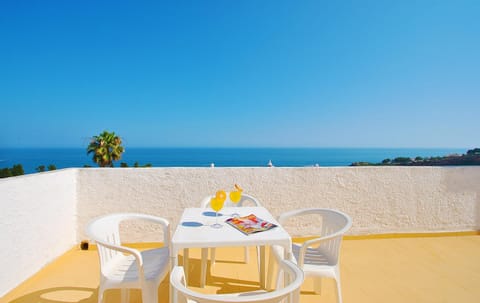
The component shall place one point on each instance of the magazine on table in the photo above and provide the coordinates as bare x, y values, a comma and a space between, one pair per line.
250, 224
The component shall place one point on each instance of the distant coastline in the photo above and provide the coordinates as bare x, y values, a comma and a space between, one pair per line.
471, 157
32, 158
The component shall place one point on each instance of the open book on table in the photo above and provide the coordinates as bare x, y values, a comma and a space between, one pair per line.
250, 224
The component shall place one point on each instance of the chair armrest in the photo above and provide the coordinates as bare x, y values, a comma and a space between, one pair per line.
311, 242
287, 215
154, 219
126, 250
322, 239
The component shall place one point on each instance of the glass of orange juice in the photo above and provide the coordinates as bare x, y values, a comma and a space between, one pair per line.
235, 197
216, 203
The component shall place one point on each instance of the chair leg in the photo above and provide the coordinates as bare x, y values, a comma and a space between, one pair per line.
247, 255
317, 285
295, 296
212, 256
337, 282
150, 293
124, 295
339, 291
100, 294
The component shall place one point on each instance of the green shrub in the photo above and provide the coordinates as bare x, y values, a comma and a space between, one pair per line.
402, 160
16, 170
5, 172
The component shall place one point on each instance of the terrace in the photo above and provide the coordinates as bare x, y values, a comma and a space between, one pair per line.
414, 237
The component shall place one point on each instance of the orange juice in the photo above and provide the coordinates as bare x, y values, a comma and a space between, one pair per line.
235, 196
216, 204
221, 195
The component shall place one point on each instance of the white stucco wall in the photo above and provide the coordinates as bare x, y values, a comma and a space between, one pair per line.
379, 199
37, 223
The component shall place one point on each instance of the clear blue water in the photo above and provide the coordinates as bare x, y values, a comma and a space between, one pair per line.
31, 158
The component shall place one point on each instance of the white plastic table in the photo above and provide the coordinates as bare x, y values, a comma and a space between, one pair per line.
194, 231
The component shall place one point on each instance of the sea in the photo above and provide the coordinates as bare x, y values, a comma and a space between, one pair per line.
32, 158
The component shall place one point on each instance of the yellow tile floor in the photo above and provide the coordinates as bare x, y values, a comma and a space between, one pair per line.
416, 269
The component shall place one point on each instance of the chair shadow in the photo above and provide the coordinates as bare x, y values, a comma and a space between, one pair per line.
67, 294
229, 262
224, 285
64, 294
227, 285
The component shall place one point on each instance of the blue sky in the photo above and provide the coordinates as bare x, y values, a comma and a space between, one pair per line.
241, 73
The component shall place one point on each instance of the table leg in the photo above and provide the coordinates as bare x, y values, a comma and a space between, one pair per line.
186, 257
287, 255
173, 294
203, 267
262, 267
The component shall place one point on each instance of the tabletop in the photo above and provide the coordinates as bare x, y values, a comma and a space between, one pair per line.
194, 230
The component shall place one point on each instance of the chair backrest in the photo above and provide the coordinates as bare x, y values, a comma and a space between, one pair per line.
246, 200
294, 275
105, 231
333, 225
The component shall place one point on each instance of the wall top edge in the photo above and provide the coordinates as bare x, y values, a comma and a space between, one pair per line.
45, 173
277, 168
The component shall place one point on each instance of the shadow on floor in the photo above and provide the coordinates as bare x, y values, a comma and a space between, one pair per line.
64, 294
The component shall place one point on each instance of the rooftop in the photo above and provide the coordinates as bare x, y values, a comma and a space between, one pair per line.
414, 236
420, 268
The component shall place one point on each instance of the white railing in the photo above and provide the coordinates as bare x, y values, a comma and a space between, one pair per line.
45, 214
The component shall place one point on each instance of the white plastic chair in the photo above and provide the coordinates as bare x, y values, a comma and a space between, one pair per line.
290, 292
246, 200
123, 267
319, 257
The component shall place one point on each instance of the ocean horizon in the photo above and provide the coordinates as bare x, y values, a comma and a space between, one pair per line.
31, 158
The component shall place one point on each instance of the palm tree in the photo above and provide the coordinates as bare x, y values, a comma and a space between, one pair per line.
106, 148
